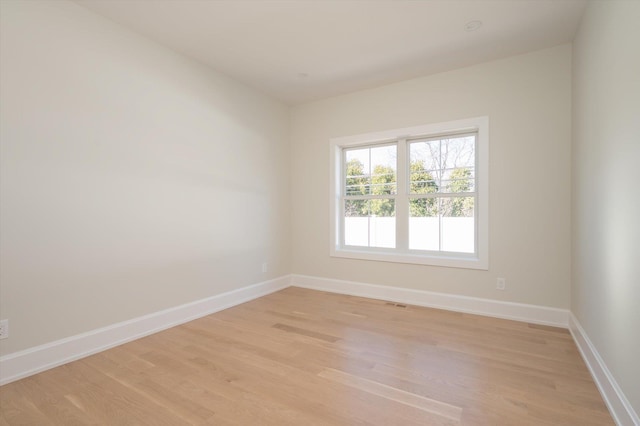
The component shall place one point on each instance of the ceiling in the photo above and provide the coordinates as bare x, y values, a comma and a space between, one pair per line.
302, 50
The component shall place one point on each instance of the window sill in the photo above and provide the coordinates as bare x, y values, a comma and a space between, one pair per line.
449, 261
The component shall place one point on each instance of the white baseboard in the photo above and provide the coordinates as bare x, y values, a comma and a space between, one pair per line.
620, 408
25, 363
472, 305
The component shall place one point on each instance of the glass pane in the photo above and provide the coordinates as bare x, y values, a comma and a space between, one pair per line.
457, 224
458, 164
446, 165
382, 223
356, 223
424, 167
370, 223
383, 170
459, 151
458, 180
371, 171
356, 208
358, 179
424, 224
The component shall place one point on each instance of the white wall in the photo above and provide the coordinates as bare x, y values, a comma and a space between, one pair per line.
605, 296
528, 101
133, 179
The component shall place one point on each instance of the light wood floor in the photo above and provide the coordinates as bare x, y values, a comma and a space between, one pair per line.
301, 357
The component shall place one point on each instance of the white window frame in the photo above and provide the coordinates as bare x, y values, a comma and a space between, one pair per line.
401, 254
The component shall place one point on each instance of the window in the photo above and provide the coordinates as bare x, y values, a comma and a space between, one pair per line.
413, 195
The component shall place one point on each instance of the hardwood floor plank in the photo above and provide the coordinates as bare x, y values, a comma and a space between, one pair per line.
303, 357
56, 408
308, 333
430, 405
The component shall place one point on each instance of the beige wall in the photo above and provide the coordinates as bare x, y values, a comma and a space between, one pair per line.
528, 101
133, 179
605, 296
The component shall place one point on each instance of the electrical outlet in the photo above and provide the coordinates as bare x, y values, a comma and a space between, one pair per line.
264, 266
501, 284
4, 329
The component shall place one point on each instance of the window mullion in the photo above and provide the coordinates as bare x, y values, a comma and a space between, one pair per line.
402, 199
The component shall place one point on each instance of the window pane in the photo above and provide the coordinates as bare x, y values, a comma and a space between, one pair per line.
422, 181
442, 224
457, 224
445, 165
383, 170
356, 222
358, 179
424, 167
424, 227
458, 164
371, 171
382, 228
356, 208
458, 180
370, 223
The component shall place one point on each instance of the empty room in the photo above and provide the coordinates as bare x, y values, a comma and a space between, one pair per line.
307, 212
